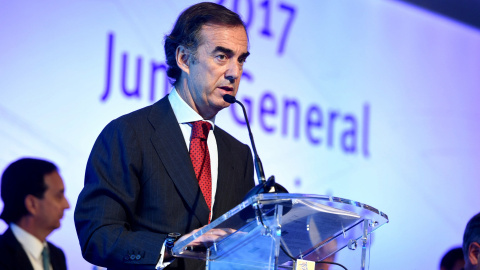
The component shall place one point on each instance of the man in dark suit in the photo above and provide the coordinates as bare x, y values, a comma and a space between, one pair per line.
34, 201
143, 178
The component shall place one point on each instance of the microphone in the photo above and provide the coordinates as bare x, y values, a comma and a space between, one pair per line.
263, 186
258, 164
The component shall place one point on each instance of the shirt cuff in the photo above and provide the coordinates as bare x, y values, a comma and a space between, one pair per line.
161, 264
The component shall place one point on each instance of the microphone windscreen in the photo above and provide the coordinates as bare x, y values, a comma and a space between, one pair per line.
229, 98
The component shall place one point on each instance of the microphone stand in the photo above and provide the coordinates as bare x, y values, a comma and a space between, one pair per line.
264, 186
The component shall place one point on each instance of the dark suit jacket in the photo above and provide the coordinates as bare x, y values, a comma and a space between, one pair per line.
13, 257
140, 185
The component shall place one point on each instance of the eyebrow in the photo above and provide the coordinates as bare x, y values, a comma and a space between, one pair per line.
229, 52
245, 55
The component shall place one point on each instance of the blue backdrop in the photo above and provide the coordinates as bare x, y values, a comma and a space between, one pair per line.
374, 101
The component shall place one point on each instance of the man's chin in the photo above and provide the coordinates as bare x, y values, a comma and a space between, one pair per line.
220, 105
56, 226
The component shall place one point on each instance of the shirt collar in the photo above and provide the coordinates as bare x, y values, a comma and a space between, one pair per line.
184, 113
30, 243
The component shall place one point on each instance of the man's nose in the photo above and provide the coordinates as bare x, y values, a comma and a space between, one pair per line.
66, 204
233, 72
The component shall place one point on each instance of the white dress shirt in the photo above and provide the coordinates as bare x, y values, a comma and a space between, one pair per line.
32, 246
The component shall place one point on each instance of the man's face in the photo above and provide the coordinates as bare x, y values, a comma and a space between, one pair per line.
53, 203
216, 68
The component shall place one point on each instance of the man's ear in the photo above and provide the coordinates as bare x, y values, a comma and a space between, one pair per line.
473, 253
31, 204
182, 56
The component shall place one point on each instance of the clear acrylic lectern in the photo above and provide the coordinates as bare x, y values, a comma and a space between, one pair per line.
268, 231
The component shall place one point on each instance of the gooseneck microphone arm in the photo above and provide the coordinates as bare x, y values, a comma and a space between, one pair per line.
258, 163
264, 186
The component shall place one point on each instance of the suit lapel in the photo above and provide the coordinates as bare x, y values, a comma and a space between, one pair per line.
225, 161
225, 173
170, 146
57, 257
19, 255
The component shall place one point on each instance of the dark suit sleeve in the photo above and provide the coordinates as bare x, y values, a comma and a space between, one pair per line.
106, 206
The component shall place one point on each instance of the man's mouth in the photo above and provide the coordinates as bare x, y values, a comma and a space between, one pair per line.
226, 88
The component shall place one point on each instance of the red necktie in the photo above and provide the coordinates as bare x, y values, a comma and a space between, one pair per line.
201, 159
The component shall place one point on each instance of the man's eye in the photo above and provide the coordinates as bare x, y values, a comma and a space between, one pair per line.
221, 57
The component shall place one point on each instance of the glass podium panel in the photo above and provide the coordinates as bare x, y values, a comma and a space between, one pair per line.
267, 231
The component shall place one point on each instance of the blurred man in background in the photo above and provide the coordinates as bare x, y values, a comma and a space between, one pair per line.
453, 260
33, 195
471, 244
